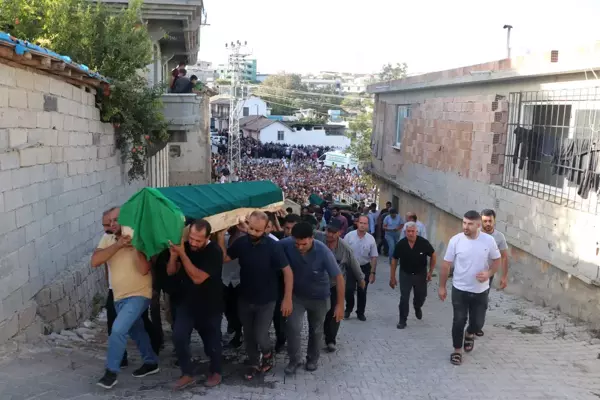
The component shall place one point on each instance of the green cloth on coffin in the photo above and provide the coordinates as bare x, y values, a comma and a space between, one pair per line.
155, 221
203, 201
315, 199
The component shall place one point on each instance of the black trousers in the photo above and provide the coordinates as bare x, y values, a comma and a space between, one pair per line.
467, 306
417, 283
231, 294
209, 329
331, 326
361, 294
278, 319
111, 315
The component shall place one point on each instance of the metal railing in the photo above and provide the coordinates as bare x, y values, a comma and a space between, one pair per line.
553, 146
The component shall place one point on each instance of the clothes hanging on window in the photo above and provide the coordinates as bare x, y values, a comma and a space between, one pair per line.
578, 161
528, 146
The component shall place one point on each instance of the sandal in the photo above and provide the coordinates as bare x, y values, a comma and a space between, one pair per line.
479, 334
252, 372
469, 343
267, 362
456, 358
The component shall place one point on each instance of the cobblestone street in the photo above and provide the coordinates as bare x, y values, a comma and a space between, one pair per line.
527, 353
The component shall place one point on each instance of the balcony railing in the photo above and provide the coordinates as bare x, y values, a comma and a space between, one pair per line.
182, 111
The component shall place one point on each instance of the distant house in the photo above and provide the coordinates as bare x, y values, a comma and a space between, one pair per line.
271, 131
219, 107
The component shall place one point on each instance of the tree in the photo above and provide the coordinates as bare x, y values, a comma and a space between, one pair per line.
360, 131
117, 45
390, 72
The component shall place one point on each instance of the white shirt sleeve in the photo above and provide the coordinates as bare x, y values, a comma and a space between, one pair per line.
451, 250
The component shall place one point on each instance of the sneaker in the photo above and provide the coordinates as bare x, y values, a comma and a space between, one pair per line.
108, 381
145, 370
213, 380
361, 317
311, 366
347, 314
418, 313
331, 347
401, 325
291, 368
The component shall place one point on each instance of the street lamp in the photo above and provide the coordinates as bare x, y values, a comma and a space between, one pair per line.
508, 28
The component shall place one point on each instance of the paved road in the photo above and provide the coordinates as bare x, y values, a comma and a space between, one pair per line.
527, 353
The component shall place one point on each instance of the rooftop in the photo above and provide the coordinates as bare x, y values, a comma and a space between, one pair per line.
555, 62
20, 53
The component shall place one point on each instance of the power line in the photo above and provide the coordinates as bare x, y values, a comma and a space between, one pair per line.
296, 108
313, 102
307, 93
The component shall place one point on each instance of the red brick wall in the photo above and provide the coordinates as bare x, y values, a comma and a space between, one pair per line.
464, 135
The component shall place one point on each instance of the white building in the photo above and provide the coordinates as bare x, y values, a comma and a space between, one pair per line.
255, 106
269, 131
203, 70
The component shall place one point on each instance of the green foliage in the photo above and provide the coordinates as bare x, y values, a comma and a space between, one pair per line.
117, 45
225, 82
391, 72
361, 129
281, 91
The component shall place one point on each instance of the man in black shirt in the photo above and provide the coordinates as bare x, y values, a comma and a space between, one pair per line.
199, 262
261, 261
412, 251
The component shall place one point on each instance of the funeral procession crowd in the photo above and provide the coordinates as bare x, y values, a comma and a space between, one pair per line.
275, 269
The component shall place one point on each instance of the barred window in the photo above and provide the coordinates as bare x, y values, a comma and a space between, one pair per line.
553, 147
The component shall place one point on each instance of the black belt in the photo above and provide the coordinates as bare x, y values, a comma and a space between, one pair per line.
414, 273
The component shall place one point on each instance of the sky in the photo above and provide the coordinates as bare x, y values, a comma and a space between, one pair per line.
360, 36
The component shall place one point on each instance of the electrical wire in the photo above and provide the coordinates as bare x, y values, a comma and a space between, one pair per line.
307, 93
292, 99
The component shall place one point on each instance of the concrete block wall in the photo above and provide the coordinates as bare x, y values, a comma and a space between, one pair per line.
463, 135
59, 171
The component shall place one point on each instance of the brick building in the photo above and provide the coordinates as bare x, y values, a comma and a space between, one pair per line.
497, 135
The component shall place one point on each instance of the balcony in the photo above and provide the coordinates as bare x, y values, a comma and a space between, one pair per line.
174, 23
183, 111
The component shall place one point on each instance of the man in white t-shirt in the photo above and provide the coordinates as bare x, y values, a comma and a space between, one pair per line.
476, 258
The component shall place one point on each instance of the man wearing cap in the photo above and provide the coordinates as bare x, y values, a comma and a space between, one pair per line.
364, 248
345, 259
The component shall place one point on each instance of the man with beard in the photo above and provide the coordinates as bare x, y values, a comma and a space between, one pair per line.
346, 260
199, 262
314, 266
131, 283
412, 251
476, 257
261, 260
488, 223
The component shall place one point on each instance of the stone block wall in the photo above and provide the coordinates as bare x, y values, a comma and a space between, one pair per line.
59, 171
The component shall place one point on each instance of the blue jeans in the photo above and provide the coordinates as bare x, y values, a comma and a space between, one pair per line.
129, 321
392, 238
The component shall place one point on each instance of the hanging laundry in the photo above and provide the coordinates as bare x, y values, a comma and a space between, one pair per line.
578, 161
528, 146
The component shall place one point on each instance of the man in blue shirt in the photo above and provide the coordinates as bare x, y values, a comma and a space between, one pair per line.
392, 226
261, 260
313, 265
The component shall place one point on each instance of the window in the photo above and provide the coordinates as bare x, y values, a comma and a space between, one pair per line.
246, 111
551, 147
403, 114
280, 135
396, 202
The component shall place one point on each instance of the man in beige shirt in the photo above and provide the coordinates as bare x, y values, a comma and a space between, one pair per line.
131, 283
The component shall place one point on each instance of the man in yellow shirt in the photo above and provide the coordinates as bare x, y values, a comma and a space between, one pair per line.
131, 282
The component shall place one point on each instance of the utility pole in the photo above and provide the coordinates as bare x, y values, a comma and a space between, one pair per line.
237, 96
508, 28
